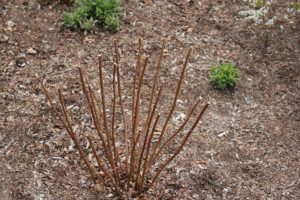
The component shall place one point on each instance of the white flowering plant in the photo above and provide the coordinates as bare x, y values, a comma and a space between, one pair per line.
257, 11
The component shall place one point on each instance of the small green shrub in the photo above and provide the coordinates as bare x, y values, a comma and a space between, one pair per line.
224, 76
259, 3
112, 23
296, 6
89, 12
87, 24
76, 19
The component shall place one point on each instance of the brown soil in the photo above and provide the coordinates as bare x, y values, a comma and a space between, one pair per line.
247, 145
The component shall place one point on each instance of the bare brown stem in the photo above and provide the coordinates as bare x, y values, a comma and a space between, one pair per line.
135, 85
115, 148
133, 108
102, 167
91, 102
54, 109
117, 59
137, 111
105, 120
132, 159
69, 130
122, 106
124, 119
173, 104
150, 114
145, 168
175, 134
103, 102
92, 96
146, 130
180, 147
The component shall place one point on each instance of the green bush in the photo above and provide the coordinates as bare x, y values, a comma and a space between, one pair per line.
224, 76
259, 3
112, 23
89, 12
296, 6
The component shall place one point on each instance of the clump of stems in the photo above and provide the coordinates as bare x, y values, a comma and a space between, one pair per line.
136, 171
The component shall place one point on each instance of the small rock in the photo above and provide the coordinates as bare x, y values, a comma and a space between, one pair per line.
190, 30
109, 195
20, 61
34, 4
67, 186
196, 196
4, 38
10, 29
10, 24
8, 167
220, 135
31, 51
46, 48
21, 55
48, 183
97, 187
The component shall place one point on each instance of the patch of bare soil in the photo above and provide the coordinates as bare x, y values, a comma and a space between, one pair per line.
247, 145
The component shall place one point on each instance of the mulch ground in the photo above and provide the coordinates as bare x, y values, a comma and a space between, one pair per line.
247, 146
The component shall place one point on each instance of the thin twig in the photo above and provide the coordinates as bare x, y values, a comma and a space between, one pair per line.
105, 119
70, 132
137, 111
132, 159
65, 113
133, 107
91, 103
147, 128
180, 147
122, 107
173, 104
149, 113
135, 83
102, 167
115, 148
175, 134
145, 168
124, 120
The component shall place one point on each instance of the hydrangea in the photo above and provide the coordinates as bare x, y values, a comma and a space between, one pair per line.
253, 15
257, 15
271, 21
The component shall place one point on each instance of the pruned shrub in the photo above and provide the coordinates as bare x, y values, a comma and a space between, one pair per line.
136, 164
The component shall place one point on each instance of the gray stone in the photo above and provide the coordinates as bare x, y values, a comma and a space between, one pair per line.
31, 51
